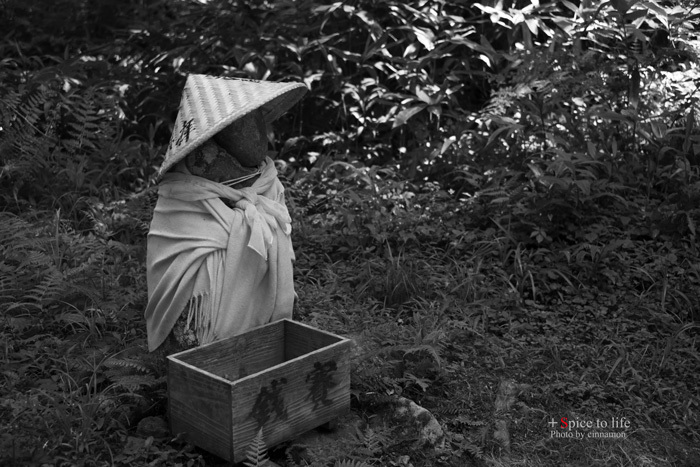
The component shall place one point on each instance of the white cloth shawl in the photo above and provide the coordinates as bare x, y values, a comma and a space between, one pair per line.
233, 266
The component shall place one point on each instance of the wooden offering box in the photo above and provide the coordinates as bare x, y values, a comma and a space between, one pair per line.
285, 377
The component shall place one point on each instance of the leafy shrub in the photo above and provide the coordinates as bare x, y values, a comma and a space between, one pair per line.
62, 140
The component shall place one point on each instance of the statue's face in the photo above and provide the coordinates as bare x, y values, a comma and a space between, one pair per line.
245, 139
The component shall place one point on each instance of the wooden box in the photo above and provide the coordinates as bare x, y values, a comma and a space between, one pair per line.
285, 377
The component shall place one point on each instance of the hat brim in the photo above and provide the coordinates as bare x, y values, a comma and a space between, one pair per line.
209, 104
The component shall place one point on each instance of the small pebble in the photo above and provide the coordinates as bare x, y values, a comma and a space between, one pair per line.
153, 426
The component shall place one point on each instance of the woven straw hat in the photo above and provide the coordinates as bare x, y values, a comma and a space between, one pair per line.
211, 103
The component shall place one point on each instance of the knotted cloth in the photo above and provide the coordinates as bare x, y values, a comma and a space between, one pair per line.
229, 269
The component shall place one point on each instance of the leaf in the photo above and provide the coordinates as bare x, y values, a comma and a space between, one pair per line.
659, 129
376, 46
411, 49
504, 129
406, 114
377, 30
689, 127
562, 183
423, 383
72, 318
635, 16
422, 95
659, 12
446, 144
256, 456
635, 81
425, 37
535, 170
532, 25
584, 186
570, 6
435, 110
591, 149
621, 6
691, 224
609, 114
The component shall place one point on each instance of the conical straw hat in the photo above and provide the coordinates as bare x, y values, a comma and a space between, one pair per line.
211, 103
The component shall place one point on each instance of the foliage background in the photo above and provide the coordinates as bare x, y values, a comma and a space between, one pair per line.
482, 192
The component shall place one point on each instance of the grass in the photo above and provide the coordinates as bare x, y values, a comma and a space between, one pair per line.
573, 349
497, 338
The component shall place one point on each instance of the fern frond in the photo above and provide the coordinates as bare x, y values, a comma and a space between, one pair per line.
378, 399
464, 420
433, 350
371, 442
450, 411
257, 452
85, 122
129, 364
72, 318
80, 365
13, 230
25, 134
31, 110
49, 289
473, 450
134, 382
37, 259
8, 286
8, 111
493, 192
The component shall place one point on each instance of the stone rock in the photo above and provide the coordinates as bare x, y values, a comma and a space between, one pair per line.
352, 436
153, 426
429, 429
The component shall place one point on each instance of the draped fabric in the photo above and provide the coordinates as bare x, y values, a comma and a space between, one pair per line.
229, 269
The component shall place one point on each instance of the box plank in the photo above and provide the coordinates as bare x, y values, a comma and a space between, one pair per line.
195, 404
284, 377
300, 339
292, 398
241, 355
